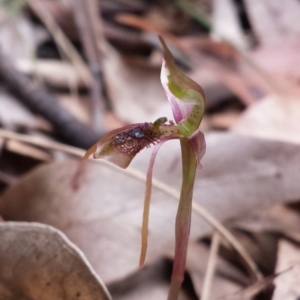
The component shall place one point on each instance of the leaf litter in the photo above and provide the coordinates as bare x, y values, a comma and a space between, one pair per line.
31, 252
245, 182
97, 216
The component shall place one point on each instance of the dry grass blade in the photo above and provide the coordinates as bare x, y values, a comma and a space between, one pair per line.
40, 142
211, 266
217, 225
254, 289
144, 24
238, 247
67, 49
90, 27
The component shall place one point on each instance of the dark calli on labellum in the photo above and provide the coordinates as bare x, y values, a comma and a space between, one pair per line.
132, 141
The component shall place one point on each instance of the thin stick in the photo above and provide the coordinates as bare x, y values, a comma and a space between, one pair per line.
89, 25
40, 101
156, 183
236, 245
62, 41
211, 266
41, 142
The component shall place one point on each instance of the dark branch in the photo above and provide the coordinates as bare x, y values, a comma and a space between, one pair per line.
43, 103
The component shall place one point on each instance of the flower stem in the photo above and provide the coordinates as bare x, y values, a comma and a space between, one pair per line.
147, 205
183, 218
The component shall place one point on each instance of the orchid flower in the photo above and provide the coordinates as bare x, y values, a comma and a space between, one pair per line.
120, 146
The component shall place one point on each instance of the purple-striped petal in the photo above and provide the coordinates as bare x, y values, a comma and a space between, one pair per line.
186, 97
197, 142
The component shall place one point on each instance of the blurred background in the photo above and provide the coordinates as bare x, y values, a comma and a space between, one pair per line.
72, 70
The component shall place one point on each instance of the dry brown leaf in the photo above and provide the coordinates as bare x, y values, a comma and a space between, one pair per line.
103, 217
77, 106
228, 66
53, 72
279, 218
226, 23
134, 89
287, 285
281, 60
39, 262
148, 283
17, 39
14, 115
271, 118
273, 20
224, 120
274, 24
263, 287
239, 174
262, 247
227, 278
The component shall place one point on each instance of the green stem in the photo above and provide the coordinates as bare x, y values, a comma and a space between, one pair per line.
183, 218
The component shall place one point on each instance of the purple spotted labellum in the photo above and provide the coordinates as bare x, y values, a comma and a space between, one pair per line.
120, 146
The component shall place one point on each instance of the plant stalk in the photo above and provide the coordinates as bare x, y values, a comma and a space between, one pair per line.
183, 218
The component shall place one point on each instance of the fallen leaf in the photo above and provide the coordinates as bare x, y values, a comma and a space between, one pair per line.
227, 277
271, 118
262, 248
55, 73
228, 66
14, 115
273, 23
238, 175
226, 23
39, 262
279, 61
77, 106
274, 20
134, 88
278, 219
264, 287
224, 120
103, 217
287, 285
148, 283
17, 39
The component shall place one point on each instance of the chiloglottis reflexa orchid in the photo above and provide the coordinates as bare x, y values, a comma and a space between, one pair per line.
120, 146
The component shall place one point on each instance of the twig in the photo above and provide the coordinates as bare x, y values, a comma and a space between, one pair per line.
237, 246
41, 142
211, 266
90, 29
156, 183
43, 103
66, 48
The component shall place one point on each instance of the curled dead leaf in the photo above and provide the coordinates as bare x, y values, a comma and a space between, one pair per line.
39, 262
